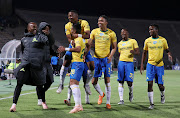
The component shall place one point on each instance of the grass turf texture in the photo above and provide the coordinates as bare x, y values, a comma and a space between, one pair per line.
27, 104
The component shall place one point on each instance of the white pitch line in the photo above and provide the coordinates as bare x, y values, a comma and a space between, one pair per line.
27, 93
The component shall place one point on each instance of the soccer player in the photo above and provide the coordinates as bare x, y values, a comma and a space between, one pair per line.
127, 48
85, 33
155, 46
104, 38
77, 66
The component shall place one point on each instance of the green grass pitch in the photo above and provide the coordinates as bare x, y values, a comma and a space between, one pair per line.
27, 104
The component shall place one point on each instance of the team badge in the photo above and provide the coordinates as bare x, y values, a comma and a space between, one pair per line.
123, 44
154, 42
101, 34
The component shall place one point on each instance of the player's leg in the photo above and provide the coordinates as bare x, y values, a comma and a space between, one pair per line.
129, 69
108, 92
150, 75
86, 81
63, 72
160, 81
121, 75
76, 73
107, 75
17, 92
69, 94
97, 74
90, 64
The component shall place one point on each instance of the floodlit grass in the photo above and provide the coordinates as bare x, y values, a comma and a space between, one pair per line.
27, 104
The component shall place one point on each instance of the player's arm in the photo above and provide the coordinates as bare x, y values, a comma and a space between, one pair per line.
144, 54
167, 51
86, 28
136, 48
76, 49
169, 55
135, 51
68, 33
114, 46
69, 38
88, 48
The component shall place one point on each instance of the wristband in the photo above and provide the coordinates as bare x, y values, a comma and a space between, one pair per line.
71, 41
80, 35
67, 49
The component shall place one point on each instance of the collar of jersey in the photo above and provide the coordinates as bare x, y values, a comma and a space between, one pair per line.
125, 41
103, 31
155, 38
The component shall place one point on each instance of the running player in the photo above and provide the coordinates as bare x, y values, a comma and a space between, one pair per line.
85, 33
155, 46
77, 67
127, 48
104, 38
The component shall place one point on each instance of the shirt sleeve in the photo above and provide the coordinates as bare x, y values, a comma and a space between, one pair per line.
119, 50
67, 29
113, 37
165, 44
86, 26
145, 45
135, 44
92, 35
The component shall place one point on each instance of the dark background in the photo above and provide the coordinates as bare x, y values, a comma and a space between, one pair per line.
136, 9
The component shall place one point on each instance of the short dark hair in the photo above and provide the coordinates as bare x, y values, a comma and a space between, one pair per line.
77, 27
124, 29
155, 25
74, 11
105, 17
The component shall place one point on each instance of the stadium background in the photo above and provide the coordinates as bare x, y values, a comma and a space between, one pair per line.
136, 16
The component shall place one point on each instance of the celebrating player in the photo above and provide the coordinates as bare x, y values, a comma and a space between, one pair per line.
85, 33
104, 38
155, 46
127, 48
77, 66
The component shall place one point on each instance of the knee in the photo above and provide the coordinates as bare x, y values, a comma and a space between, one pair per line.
94, 81
161, 87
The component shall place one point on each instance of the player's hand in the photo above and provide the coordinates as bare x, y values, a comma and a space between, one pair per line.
84, 58
132, 51
141, 69
61, 49
46, 32
109, 59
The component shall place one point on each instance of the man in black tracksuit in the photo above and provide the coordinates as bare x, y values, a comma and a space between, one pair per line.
32, 70
44, 29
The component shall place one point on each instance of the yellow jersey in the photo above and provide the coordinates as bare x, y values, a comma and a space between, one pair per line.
103, 42
124, 48
155, 48
84, 26
78, 56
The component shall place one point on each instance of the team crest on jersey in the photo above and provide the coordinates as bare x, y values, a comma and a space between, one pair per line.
101, 34
154, 42
123, 44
